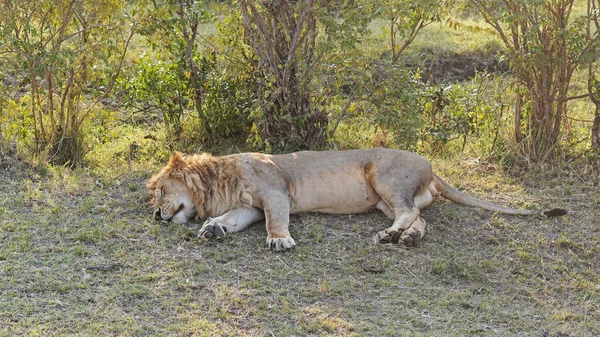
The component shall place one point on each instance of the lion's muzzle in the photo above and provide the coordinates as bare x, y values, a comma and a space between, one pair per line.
160, 215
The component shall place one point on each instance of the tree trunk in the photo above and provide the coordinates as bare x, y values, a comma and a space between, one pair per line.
596, 143
283, 38
518, 116
536, 39
197, 90
596, 130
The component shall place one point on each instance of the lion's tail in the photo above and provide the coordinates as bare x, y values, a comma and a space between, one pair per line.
455, 195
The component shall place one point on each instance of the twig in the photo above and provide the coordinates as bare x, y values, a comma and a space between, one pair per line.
580, 120
410, 272
577, 97
342, 115
106, 267
285, 264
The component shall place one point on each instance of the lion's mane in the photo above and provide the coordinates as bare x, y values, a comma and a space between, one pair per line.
215, 182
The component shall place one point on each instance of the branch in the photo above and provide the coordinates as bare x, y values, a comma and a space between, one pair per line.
487, 17
580, 120
294, 42
65, 22
342, 115
411, 37
257, 35
66, 37
114, 78
576, 97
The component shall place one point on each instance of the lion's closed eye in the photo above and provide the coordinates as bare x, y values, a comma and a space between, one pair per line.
157, 196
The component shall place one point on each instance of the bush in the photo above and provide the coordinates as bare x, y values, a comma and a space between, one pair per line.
68, 55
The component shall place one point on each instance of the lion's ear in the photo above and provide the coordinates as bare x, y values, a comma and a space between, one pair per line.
177, 161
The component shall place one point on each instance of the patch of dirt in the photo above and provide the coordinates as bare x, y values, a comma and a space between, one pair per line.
461, 67
11, 165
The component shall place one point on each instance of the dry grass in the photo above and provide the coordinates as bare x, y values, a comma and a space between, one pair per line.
81, 255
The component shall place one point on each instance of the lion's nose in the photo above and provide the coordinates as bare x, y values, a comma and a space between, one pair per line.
157, 215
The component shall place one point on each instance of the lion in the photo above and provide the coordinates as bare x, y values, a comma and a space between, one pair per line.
234, 191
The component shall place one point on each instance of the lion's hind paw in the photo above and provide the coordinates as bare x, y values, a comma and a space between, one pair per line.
410, 237
212, 230
279, 244
386, 236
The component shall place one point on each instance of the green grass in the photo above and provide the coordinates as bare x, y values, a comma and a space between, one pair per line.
439, 40
81, 258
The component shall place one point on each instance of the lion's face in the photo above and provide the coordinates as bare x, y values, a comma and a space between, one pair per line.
196, 187
173, 201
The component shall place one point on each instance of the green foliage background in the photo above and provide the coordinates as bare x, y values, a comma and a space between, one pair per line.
181, 75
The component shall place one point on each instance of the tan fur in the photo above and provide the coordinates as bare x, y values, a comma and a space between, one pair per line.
244, 188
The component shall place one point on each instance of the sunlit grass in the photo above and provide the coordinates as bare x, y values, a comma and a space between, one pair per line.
440, 40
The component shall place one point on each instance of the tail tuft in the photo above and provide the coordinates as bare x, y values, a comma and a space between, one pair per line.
555, 212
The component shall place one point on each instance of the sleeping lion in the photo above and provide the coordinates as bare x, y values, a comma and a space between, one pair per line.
234, 191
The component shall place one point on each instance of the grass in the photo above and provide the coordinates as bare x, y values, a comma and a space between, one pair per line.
79, 257
439, 40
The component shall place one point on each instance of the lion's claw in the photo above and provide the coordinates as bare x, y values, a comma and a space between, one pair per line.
279, 244
395, 237
212, 230
387, 237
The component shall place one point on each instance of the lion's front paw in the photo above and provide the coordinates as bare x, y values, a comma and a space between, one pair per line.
279, 244
212, 230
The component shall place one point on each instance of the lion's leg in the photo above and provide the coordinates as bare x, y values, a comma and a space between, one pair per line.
408, 230
230, 222
383, 206
426, 197
408, 227
277, 216
412, 235
404, 217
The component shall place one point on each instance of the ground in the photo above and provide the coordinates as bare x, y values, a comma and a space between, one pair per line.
461, 67
81, 255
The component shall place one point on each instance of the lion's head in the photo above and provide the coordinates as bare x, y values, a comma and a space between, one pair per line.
197, 186
173, 199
